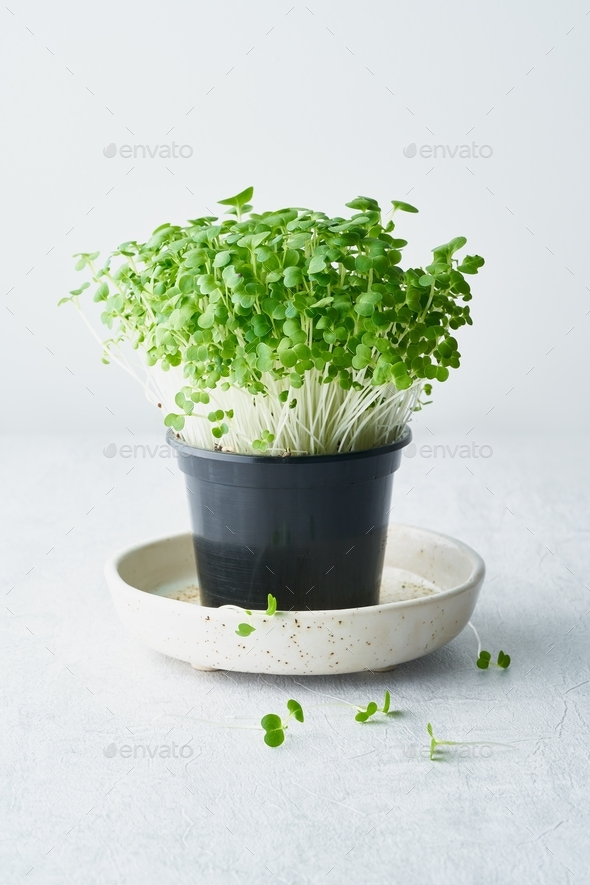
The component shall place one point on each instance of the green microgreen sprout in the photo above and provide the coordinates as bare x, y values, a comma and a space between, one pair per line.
282, 332
435, 742
245, 629
372, 708
240, 203
275, 727
262, 444
484, 658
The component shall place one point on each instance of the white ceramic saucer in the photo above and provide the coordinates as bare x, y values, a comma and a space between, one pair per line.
430, 586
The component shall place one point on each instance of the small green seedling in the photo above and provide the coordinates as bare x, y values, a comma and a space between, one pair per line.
372, 708
263, 444
274, 727
246, 628
485, 660
434, 743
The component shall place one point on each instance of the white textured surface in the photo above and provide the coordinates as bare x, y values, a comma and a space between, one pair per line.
339, 802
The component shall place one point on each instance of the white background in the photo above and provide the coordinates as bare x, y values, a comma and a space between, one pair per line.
298, 102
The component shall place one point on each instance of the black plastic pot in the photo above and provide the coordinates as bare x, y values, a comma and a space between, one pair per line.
310, 530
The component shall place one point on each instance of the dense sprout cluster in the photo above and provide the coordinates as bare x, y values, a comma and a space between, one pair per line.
274, 301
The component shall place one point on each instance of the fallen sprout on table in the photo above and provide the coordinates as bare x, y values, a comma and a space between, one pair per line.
274, 727
372, 708
484, 658
435, 743
246, 628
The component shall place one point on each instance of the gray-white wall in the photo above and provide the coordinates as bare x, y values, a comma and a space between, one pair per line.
312, 105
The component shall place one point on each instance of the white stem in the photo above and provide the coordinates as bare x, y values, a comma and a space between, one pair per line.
477, 637
324, 420
212, 722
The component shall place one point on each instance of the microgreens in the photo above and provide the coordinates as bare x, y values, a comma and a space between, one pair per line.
275, 727
301, 330
435, 742
246, 628
372, 708
484, 660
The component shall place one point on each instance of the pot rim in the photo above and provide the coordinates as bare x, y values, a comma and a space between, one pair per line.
186, 450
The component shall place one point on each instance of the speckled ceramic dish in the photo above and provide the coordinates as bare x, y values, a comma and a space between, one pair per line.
430, 586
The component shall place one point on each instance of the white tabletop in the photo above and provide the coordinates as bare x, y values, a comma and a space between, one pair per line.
339, 801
